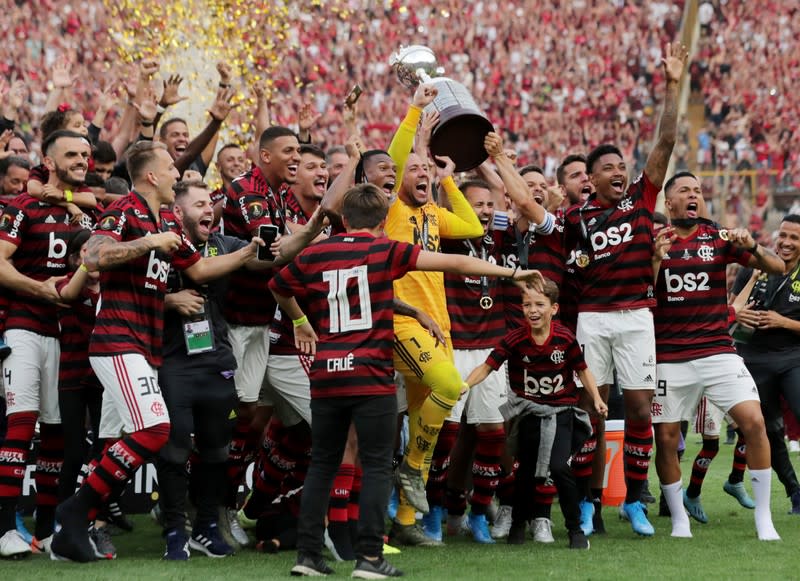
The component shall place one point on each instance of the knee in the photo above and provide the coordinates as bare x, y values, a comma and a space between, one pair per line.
444, 380
666, 439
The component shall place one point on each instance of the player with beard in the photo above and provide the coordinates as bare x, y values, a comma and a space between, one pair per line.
695, 356
34, 235
255, 198
612, 234
767, 341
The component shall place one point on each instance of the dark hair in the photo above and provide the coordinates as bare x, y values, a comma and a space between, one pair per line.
599, 152
549, 289
473, 183
671, 181
103, 152
140, 155
660, 218
56, 135
13, 161
360, 173
312, 149
228, 146
561, 169
181, 188
333, 151
77, 239
55, 120
162, 131
364, 206
529, 169
21, 136
117, 185
270, 134
793, 218
93, 180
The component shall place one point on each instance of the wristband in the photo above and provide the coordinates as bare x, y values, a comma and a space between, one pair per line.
224, 85
68, 196
160, 109
146, 123
754, 248
83, 268
516, 268
301, 321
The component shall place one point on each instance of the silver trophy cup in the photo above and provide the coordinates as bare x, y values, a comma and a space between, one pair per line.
462, 126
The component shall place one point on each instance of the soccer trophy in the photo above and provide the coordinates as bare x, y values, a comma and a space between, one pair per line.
462, 126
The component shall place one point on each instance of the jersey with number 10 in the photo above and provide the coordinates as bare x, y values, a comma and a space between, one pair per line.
346, 281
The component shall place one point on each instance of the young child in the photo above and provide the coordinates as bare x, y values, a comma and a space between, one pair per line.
547, 426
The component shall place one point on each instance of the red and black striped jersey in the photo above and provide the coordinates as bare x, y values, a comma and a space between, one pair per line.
619, 274
130, 318
472, 326
541, 373
250, 202
281, 330
77, 323
346, 281
41, 232
691, 319
545, 252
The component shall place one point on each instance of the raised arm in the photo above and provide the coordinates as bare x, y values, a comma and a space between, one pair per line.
403, 139
657, 162
219, 112
104, 252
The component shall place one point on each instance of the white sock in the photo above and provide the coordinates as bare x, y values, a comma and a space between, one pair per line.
680, 520
761, 481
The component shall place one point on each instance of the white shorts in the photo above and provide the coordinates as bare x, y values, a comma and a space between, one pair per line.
402, 397
723, 379
131, 391
111, 426
708, 420
481, 404
251, 349
288, 389
30, 375
621, 340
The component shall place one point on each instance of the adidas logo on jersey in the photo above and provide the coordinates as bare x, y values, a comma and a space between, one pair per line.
49, 220
648, 379
526, 359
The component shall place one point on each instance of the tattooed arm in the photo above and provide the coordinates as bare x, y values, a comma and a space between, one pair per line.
104, 253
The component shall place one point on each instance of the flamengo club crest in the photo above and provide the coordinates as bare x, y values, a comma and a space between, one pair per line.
557, 356
706, 253
626, 205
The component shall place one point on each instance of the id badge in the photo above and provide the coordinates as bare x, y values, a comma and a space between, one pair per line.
198, 335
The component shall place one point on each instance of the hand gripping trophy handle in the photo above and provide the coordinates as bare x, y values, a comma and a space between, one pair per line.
462, 126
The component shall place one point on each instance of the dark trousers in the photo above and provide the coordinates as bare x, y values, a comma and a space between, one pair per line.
74, 403
198, 404
777, 374
375, 420
560, 470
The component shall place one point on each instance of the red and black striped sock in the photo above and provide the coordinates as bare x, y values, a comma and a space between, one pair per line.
486, 468
544, 493
268, 473
505, 487
13, 460
739, 459
48, 468
440, 463
340, 493
582, 462
353, 506
637, 449
700, 466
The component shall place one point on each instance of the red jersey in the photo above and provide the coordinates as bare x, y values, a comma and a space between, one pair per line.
541, 373
77, 323
130, 318
41, 232
472, 326
250, 203
691, 319
619, 272
347, 283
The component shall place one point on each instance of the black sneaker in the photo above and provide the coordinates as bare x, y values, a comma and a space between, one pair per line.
177, 545
516, 534
208, 540
308, 566
378, 569
597, 519
117, 518
577, 540
71, 542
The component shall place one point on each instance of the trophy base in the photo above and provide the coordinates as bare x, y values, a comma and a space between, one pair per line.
461, 139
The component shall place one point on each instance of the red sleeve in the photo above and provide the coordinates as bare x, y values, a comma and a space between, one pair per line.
288, 281
112, 223
645, 189
40, 174
186, 255
499, 355
251, 208
13, 223
403, 258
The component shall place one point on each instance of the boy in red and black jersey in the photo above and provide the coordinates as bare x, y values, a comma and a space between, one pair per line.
34, 235
543, 358
347, 283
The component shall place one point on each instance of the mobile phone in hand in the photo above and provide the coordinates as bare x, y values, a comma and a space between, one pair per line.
353, 95
268, 233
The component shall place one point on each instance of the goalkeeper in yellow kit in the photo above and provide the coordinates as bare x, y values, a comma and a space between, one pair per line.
433, 384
